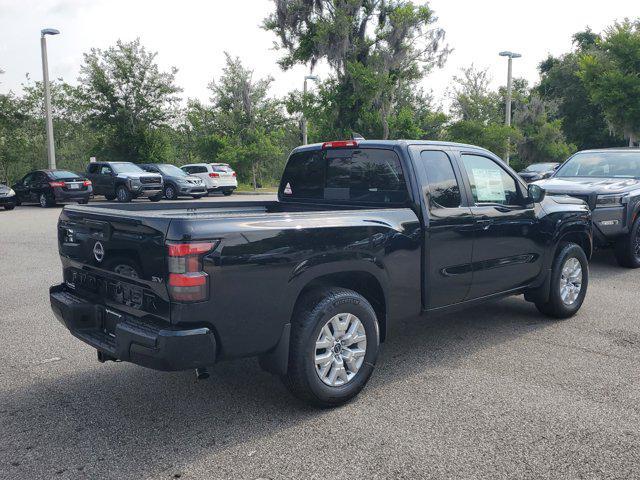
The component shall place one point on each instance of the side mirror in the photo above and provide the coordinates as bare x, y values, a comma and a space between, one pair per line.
536, 193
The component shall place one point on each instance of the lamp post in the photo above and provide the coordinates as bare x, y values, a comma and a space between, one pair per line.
51, 152
507, 114
304, 97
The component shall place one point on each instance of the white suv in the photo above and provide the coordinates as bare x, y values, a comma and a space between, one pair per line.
218, 177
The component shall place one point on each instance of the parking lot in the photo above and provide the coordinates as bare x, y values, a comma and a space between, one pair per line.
495, 392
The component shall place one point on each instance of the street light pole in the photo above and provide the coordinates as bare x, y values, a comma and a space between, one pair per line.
507, 110
51, 152
304, 99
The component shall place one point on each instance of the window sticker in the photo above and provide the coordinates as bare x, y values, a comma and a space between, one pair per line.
489, 185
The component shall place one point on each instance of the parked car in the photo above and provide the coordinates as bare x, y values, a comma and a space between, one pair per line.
363, 234
48, 187
608, 180
218, 177
7, 197
124, 181
176, 181
538, 171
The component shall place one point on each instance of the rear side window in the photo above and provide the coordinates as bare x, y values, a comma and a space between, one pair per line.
353, 175
94, 168
60, 174
444, 191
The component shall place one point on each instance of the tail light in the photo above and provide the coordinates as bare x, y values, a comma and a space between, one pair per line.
57, 184
214, 175
87, 183
234, 174
187, 280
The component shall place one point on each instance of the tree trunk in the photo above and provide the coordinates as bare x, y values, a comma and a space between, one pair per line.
384, 117
632, 139
253, 169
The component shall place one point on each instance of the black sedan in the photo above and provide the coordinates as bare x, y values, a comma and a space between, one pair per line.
538, 171
7, 197
48, 187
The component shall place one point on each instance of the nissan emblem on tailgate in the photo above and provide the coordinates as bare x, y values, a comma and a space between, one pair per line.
98, 251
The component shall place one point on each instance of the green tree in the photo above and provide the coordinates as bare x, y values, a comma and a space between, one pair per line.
611, 75
130, 100
374, 48
542, 139
253, 126
583, 121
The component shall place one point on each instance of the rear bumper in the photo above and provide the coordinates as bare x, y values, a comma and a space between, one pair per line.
70, 195
222, 188
132, 339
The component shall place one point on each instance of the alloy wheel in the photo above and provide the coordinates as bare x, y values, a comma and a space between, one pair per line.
43, 200
340, 349
571, 281
636, 244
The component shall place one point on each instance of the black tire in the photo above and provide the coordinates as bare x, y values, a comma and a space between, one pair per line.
110, 197
627, 249
313, 313
83, 202
9, 207
555, 307
123, 194
46, 201
226, 193
198, 197
170, 192
157, 198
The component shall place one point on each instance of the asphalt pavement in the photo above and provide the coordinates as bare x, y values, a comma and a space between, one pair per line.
498, 392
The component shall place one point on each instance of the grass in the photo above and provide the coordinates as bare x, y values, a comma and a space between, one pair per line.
246, 187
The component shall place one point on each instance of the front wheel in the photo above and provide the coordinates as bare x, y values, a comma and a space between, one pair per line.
110, 197
156, 198
170, 192
123, 194
628, 248
334, 347
569, 282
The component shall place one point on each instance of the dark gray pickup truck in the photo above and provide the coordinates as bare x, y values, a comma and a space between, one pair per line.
362, 234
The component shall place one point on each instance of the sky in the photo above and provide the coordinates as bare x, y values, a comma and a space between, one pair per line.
193, 35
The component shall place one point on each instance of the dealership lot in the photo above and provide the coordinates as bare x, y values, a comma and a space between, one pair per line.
496, 392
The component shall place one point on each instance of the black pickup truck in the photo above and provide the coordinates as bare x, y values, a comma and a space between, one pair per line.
362, 234
608, 180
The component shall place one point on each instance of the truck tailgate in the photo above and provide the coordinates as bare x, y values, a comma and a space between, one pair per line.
115, 260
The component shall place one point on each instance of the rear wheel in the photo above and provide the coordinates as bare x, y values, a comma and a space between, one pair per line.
9, 207
334, 347
123, 194
628, 248
46, 201
170, 192
569, 282
83, 202
156, 198
226, 193
110, 197
198, 197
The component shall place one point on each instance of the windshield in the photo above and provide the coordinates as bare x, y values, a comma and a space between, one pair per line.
126, 168
602, 165
172, 170
540, 167
60, 174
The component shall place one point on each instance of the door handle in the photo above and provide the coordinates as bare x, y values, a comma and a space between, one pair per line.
484, 224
